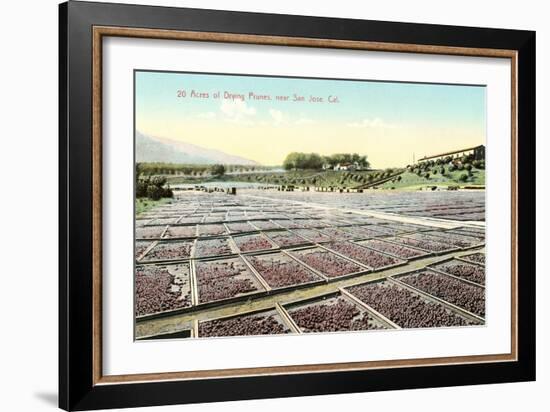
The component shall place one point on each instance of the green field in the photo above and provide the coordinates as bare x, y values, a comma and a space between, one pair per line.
143, 204
191, 170
411, 181
316, 178
408, 180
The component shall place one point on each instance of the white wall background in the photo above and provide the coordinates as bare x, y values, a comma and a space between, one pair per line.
28, 205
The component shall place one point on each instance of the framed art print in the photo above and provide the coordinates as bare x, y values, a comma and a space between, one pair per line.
259, 205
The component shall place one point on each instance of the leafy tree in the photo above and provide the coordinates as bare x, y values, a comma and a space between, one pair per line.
463, 177
154, 192
479, 164
217, 170
293, 161
302, 161
152, 187
141, 188
314, 161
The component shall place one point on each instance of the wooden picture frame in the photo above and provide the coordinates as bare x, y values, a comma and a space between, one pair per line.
82, 28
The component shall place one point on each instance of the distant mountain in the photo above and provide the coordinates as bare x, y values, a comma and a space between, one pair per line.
154, 149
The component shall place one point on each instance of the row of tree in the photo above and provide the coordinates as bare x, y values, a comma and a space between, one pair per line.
315, 161
159, 168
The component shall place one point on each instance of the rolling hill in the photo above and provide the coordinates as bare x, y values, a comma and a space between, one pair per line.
154, 149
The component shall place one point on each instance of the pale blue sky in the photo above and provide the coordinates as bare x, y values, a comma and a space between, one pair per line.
457, 113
